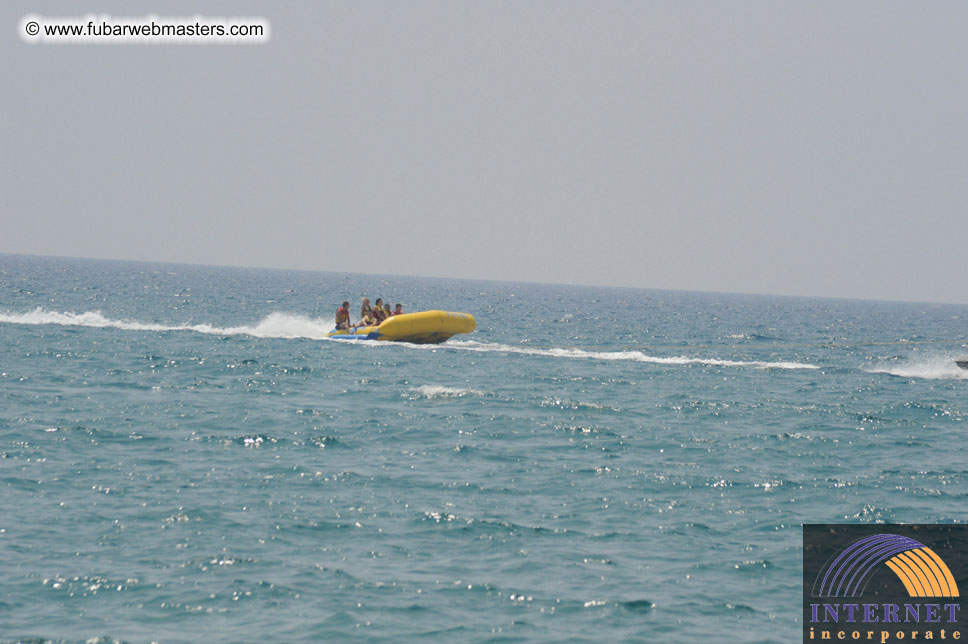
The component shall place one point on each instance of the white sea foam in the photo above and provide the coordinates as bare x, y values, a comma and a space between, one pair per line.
928, 367
634, 356
274, 325
439, 391
288, 326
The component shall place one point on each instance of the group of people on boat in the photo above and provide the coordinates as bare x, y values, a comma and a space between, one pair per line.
369, 315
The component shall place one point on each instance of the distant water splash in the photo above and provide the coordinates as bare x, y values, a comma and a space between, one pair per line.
634, 356
439, 391
290, 326
930, 368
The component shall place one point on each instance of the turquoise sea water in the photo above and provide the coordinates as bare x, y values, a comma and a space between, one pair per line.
184, 458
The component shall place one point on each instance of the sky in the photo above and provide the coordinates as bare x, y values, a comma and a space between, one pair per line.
796, 148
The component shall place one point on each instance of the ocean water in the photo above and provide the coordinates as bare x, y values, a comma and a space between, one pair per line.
185, 458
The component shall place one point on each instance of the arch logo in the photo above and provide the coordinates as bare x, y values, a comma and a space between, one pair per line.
883, 583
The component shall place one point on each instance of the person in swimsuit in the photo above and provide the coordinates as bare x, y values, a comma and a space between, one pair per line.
343, 316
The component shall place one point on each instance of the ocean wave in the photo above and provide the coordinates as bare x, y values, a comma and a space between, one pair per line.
634, 356
929, 368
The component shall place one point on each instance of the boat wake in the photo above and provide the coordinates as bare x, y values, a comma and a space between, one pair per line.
633, 356
291, 326
937, 367
274, 325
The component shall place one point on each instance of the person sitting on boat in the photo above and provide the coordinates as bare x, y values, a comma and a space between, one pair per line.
398, 309
366, 314
387, 311
378, 313
343, 316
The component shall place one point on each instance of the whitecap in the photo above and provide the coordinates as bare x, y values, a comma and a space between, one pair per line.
440, 391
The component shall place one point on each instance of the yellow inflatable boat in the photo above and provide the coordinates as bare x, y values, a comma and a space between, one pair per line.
425, 327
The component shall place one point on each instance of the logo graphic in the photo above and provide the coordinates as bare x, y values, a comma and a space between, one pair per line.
883, 583
919, 568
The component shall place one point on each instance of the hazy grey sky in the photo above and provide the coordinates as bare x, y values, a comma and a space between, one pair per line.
806, 148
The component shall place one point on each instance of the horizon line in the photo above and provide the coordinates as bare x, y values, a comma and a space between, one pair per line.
476, 279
